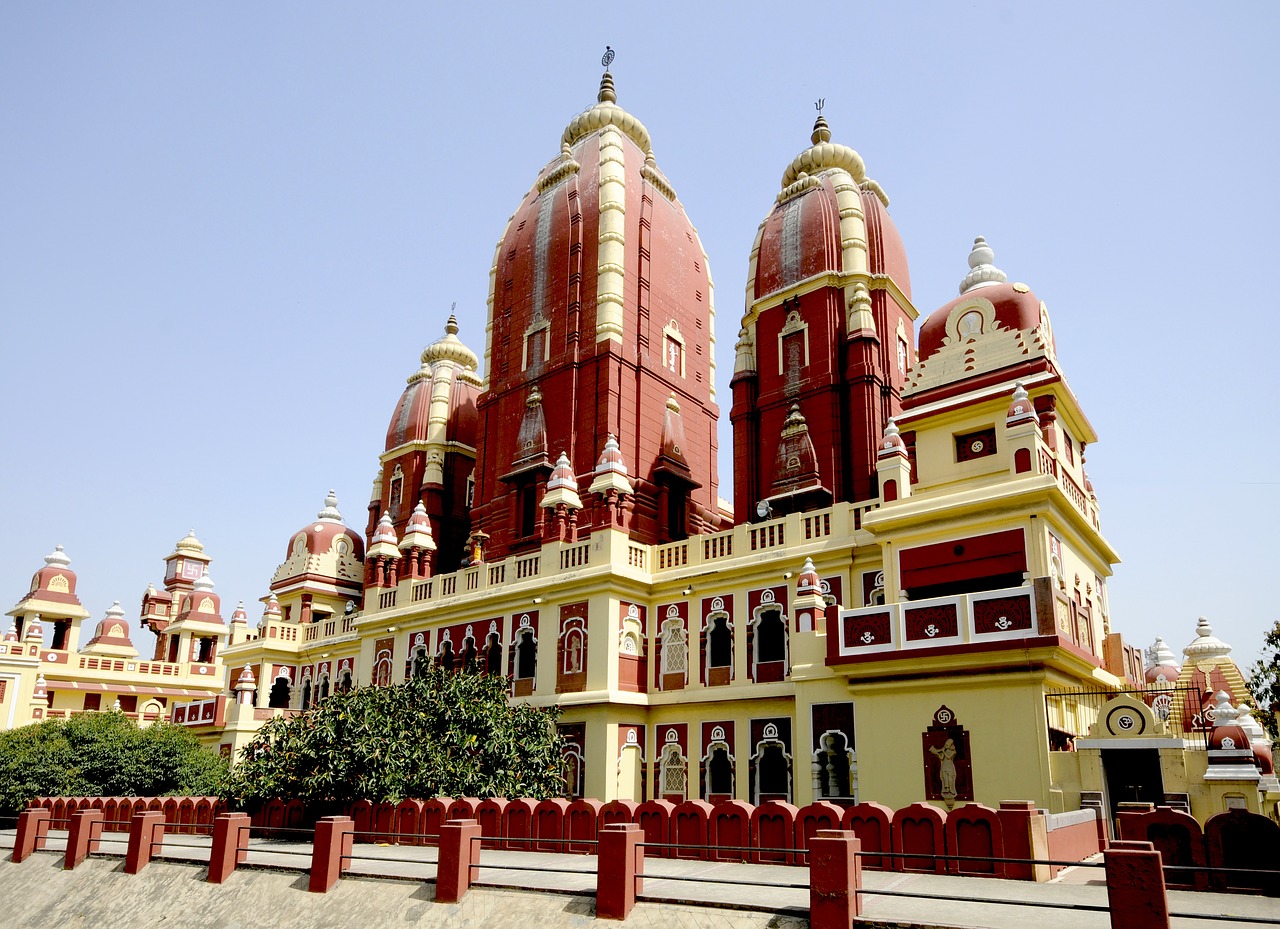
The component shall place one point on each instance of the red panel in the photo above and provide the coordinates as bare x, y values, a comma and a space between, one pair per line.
964, 559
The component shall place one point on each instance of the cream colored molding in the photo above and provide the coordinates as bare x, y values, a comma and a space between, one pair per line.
825, 155
606, 116
827, 279
611, 257
564, 170
421, 445
793, 324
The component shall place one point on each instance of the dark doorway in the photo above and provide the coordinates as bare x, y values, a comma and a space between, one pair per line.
1133, 776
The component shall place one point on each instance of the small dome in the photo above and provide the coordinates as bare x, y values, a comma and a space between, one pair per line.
562, 474
417, 532
611, 458
892, 443
189, 543
446, 359
239, 615
448, 349
1013, 307
111, 637
1021, 409
272, 609
326, 548
11, 634
808, 582
57, 558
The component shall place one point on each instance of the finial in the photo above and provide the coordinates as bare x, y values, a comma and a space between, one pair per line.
451, 326
982, 272
57, 557
821, 131
330, 511
607, 93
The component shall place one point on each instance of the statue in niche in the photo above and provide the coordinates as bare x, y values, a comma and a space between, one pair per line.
948, 771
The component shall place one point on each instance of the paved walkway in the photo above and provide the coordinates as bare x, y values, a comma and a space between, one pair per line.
969, 902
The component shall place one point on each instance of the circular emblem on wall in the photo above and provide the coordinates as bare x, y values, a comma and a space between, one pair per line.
976, 446
1124, 720
672, 736
944, 716
717, 733
632, 737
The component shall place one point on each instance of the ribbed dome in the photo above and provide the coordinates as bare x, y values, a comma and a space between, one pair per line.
803, 237
446, 362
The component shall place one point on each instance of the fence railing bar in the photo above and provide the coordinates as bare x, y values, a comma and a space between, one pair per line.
504, 867
1052, 861
726, 848
1250, 871
1226, 917
1086, 907
649, 876
532, 841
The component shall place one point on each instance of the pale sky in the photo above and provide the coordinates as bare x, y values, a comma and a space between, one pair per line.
227, 230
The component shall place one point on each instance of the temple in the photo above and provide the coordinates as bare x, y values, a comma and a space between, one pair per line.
906, 600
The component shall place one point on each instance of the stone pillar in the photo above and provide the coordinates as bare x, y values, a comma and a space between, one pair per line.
835, 877
83, 838
146, 833
458, 858
333, 839
619, 866
33, 832
230, 845
1135, 887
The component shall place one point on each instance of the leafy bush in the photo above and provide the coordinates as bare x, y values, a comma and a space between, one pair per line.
103, 755
1264, 681
440, 734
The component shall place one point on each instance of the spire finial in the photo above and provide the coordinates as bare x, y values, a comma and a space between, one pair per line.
982, 272
607, 93
821, 131
451, 326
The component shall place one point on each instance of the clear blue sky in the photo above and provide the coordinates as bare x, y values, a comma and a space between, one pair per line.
226, 231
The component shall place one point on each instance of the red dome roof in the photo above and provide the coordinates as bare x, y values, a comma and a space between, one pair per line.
802, 237
319, 537
409, 422
1016, 308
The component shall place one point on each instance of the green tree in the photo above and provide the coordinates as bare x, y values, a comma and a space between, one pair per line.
440, 734
1264, 681
103, 755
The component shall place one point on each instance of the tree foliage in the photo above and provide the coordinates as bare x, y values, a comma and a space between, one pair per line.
1264, 681
440, 734
103, 755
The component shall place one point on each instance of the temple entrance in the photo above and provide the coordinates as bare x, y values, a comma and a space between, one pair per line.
1132, 775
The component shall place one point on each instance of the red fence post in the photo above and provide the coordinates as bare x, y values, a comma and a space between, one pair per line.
835, 877
1135, 887
33, 831
618, 868
334, 835
230, 845
459, 853
146, 831
81, 839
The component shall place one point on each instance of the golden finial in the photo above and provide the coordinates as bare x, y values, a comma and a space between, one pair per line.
821, 131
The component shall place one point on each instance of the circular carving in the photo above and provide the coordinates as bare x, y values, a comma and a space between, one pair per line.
976, 446
1124, 720
944, 716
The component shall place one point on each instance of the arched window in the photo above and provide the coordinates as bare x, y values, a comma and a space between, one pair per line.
281, 693
344, 682
771, 636
672, 772
719, 771
322, 687
675, 647
493, 654
526, 655
421, 662
773, 771
446, 655
720, 643
396, 493
468, 654
833, 766
306, 693
382, 669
